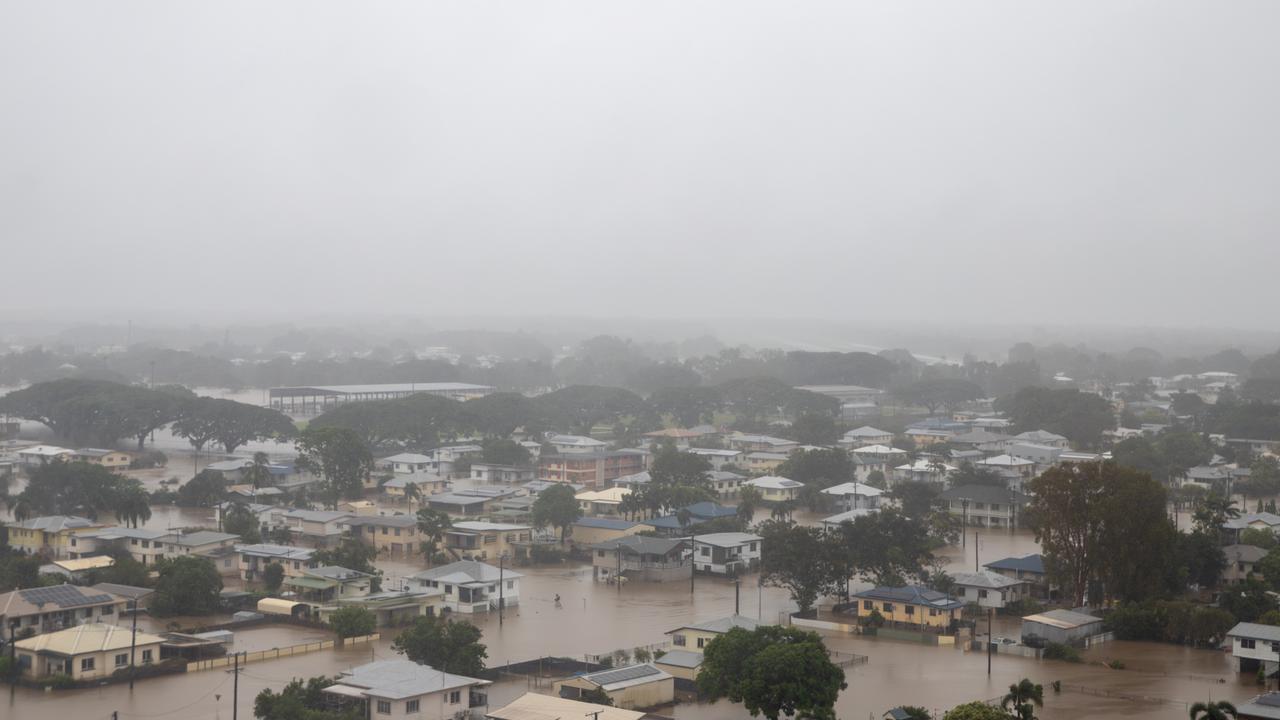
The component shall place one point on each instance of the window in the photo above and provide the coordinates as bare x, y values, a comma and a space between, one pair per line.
384, 531
706, 551
868, 605
702, 642
108, 609
455, 697
146, 656
384, 707
86, 664
911, 609
397, 532
448, 589
411, 707
146, 543
88, 612
511, 584
888, 607
982, 593
1247, 643
678, 640
122, 659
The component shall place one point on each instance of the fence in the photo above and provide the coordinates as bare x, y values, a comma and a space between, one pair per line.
1097, 692
844, 659
274, 653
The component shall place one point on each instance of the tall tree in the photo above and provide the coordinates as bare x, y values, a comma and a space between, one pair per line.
188, 585
453, 647
432, 524
556, 507
1061, 513
340, 457
773, 671
797, 558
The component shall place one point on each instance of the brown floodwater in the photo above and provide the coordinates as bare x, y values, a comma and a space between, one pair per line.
595, 618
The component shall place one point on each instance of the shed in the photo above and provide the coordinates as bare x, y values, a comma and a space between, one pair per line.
276, 606
631, 687
1065, 627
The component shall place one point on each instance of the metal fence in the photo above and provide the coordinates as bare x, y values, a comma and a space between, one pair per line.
1098, 692
275, 653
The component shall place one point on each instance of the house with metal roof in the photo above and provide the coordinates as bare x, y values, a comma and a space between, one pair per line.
866, 435
984, 505
854, 495
1254, 645
255, 558
1263, 707
632, 687
400, 688
321, 527
697, 513
989, 589
390, 608
775, 489
52, 608
536, 706
908, 606
588, 531
390, 534
1065, 627
695, 636
1029, 568
726, 553
469, 586
48, 535
1241, 562
487, 541
329, 583
637, 557
1043, 437
85, 652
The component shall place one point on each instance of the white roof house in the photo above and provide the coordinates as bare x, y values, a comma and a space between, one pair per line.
576, 443
403, 687
853, 488
774, 482
727, 539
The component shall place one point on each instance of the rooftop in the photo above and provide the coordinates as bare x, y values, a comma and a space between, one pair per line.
774, 482
399, 679
1029, 563
726, 539
722, 624
605, 523
1067, 619
54, 523
913, 595
44, 599
1255, 631
276, 551
87, 638
536, 706
465, 571
623, 677
985, 580
983, 494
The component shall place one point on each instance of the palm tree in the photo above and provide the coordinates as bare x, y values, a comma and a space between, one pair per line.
748, 500
1220, 710
412, 492
783, 510
1025, 697
133, 506
259, 473
22, 509
433, 524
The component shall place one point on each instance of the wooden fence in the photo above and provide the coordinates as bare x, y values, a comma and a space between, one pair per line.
275, 653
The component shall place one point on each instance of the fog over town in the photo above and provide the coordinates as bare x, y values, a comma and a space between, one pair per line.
639, 361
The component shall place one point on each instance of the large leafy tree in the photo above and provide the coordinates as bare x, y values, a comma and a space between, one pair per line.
1219, 710
352, 555
432, 524
230, 423
556, 507
935, 393
975, 711
77, 488
353, 621
797, 558
188, 585
1079, 416
823, 468
1022, 699
301, 700
453, 647
340, 457
1063, 515
773, 671
206, 489
95, 411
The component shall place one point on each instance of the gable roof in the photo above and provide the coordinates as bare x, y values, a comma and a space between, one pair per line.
912, 595
536, 706
54, 523
1030, 563
854, 488
399, 679
774, 482
1064, 619
1040, 436
722, 624
605, 523
983, 494
54, 597
465, 571
726, 539
641, 545
618, 678
1243, 553
1256, 631
986, 580
87, 638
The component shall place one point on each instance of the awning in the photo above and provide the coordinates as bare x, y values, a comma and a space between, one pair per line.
311, 582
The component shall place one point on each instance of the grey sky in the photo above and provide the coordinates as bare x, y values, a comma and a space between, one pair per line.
1023, 161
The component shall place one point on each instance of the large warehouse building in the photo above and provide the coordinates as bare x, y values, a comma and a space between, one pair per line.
316, 399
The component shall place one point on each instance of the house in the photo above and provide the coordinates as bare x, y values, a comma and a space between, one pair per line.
908, 605
1044, 456
145, 546
447, 458
85, 652
402, 688
488, 541
253, 494
77, 569
504, 474
924, 437
1205, 476
987, 442
855, 495
459, 504
534, 487
47, 609
322, 527
1016, 469
1029, 568
268, 516
726, 485
397, 488
749, 443
697, 513
989, 589
1043, 437
634, 686
41, 454
390, 534
592, 470
775, 489
856, 401
1261, 521
255, 558
390, 608
406, 463
984, 505
726, 553
49, 536
695, 637
638, 557
717, 457
923, 470
136, 596
834, 521
763, 462
1254, 645
536, 706
109, 459
589, 531
1263, 707
601, 502
469, 586
1241, 561
866, 435
358, 507
216, 546
1065, 627
329, 584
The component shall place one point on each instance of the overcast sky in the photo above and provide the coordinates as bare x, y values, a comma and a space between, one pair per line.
1024, 161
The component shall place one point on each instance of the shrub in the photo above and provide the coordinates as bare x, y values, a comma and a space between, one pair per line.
353, 621
61, 682
546, 554
874, 620
1058, 651
1022, 608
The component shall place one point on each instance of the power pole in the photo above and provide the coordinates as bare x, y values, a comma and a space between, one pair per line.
502, 559
133, 645
692, 553
975, 552
235, 689
737, 596
990, 639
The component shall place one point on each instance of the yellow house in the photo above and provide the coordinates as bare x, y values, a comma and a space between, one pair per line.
85, 652
110, 459
909, 605
631, 687
390, 534
775, 489
486, 541
49, 536
601, 502
695, 637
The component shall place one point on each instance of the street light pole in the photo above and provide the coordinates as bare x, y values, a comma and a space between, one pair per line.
133, 644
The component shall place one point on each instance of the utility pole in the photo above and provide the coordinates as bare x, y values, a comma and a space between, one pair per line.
692, 552
964, 523
737, 596
235, 689
133, 645
990, 639
975, 552
617, 572
502, 559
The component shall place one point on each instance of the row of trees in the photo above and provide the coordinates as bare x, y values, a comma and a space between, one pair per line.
84, 489
99, 412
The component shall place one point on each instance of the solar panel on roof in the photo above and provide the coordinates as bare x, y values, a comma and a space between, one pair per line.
63, 596
634, 672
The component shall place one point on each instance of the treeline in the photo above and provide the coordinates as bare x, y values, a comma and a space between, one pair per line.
100, 412
424, 421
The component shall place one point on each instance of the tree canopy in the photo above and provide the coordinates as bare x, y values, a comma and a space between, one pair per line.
556, 507
188, 585
453, 647
340, 456
773, 671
